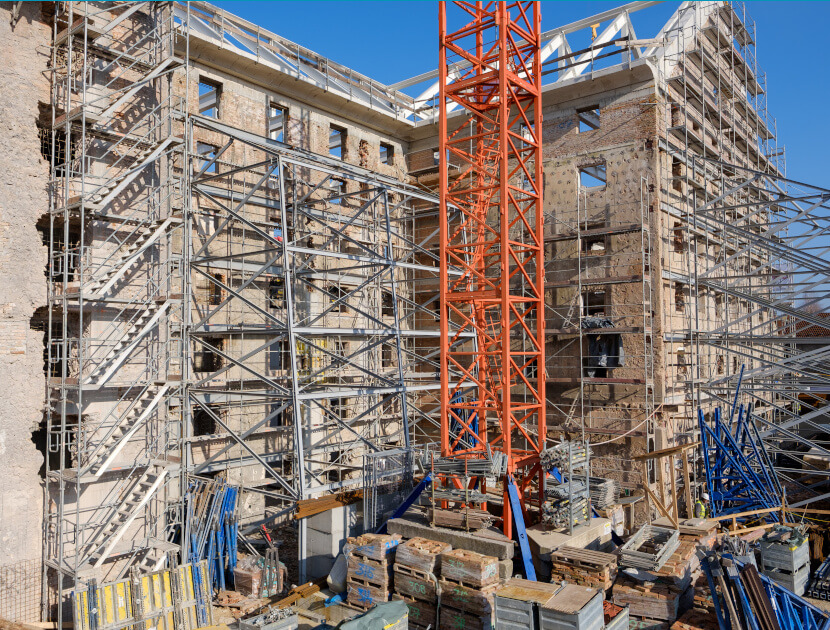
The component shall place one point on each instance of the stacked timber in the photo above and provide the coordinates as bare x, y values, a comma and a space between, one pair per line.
583, 567
651, 600
369, 576
417, 565
468, 583
468, 519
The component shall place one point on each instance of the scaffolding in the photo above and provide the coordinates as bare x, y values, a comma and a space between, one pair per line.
303, 327
247, 310
598, 268
114, 345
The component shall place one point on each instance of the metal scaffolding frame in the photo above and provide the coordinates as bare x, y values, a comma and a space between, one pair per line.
310, 331
771, 275
114, 351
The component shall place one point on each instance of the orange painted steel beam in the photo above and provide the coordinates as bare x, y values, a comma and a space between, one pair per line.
491, 229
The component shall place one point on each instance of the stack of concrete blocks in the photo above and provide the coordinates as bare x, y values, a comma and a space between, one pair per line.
785, 557
326, 535
416, 570
369, 575
468, 584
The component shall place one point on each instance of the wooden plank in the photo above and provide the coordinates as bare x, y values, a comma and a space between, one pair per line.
310, 507
687, 486
666, 451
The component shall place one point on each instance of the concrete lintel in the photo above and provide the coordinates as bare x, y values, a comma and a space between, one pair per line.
489, 542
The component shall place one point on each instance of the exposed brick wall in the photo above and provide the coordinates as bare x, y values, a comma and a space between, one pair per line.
23, 199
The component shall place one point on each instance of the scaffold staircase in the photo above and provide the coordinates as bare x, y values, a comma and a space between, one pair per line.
104, 542
124, 427
144, 322
146, 236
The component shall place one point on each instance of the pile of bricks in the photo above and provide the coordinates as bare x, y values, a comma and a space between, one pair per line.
583, 567
417, 565
681, 567
696, 619
426, 570
650, 600
468, 583
369, 576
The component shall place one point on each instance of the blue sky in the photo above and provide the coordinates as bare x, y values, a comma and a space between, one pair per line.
392, 41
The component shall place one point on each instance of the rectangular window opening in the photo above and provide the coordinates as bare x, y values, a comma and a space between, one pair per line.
337, 296
593, 304
387, 304
679, 297
209, 98
205, 359
387, 153
276, 292
277, 119
588, 118
593, 176
337, 142
216, 290
279, 357
594, 245
338, 189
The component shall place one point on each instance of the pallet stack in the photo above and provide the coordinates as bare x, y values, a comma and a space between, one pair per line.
369, 576
583, 567
417, 565
651, 600
468, 583
785, 556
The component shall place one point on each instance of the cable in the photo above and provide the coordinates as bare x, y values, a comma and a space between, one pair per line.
627, 432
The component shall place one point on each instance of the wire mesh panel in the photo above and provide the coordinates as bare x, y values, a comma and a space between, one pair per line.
20, 591
387, 477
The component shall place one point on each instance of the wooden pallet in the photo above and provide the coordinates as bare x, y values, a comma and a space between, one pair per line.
453, 619
365, 594
583, 558
372, 571
421, 614
416, 584
476, 601
649, 600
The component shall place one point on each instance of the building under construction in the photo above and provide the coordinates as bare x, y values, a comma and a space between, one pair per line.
235, 268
